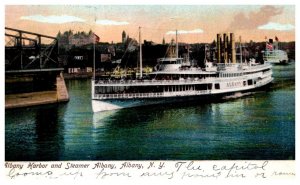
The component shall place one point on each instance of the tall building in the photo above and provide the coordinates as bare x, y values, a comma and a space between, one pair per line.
81, 39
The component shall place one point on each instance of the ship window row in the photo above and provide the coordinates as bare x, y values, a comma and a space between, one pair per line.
127, 89
150, 89
178, 61
226, 75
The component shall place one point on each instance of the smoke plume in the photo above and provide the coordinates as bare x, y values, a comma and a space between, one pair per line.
254, 19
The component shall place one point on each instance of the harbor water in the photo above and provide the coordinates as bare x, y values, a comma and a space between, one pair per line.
253, 127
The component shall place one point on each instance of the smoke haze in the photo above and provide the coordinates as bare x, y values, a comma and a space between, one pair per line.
254, 19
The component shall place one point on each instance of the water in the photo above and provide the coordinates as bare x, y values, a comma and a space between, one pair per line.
255, 127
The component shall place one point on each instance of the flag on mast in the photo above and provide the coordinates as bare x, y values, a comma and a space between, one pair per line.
269, 46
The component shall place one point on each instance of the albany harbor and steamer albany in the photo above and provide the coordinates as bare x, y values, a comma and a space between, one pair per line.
35, 71
74, 165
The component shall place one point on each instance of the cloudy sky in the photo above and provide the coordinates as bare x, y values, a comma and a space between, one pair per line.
195, 23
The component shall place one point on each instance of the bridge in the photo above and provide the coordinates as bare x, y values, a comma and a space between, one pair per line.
33, 69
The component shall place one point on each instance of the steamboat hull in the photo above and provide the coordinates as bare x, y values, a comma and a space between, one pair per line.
100, 105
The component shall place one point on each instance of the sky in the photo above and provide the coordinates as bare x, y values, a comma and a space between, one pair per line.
195, 23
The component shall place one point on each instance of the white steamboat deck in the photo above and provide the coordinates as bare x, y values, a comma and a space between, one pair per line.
104, 102
191, 83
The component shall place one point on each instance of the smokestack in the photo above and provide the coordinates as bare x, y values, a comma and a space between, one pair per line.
218, 48
233, 54
225, 52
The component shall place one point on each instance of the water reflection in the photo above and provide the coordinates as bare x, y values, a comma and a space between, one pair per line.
49, 132
19, 134
34, 133
100, 119
284, 76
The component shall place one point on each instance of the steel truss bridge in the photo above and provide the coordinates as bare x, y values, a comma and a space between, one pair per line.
30, 52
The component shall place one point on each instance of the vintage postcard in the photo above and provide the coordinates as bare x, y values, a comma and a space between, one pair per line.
177, 93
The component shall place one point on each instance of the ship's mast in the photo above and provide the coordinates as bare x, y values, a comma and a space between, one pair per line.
94, 49
94, 63
205, 53
188, 54
141, 62
176, 46
241, 53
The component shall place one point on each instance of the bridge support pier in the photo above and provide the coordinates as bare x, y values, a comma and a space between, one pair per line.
32, 98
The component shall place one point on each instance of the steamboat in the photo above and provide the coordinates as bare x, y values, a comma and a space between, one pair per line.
175, 79
273, 54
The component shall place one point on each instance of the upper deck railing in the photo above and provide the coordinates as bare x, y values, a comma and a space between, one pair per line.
150, 82
151, 95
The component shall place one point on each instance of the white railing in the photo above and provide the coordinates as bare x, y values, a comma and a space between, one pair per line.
188, 81
256, 67
150, 95
148, 82
164, 82
128, 95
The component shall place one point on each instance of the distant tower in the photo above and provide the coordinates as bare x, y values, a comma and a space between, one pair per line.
163, 41
123, 36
